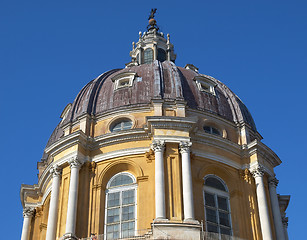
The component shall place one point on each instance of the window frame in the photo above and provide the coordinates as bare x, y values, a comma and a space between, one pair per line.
122, 77
120, 121
217, 193
211, 130
120, 189
205, 84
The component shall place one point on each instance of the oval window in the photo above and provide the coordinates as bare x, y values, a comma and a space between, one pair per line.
212, 130
123, 124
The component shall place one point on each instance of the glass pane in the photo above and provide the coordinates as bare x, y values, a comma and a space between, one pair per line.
113, 215
211, 215
224, 219
148, 55
222, 202
211, 228
113, 231
161, 55
127, 213
215, 183
128, 197
225, 231
116, 127
209, 199
126, 125
215, 131
113, 199
121, 179
128, 229
207, 129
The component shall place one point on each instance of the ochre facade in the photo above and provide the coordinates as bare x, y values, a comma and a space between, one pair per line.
171, 107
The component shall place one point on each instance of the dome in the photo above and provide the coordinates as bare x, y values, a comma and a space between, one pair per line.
156, 80
154, 151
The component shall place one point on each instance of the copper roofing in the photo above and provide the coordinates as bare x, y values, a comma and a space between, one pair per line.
156, 80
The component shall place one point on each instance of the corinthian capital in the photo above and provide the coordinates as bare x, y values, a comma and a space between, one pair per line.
56, 171
28, 212
184, 147
273, 182
257, 171
158, 146
74, 162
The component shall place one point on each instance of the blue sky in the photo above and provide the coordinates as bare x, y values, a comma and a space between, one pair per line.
50, 49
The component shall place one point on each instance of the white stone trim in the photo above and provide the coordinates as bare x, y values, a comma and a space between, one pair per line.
217, 158
120, 153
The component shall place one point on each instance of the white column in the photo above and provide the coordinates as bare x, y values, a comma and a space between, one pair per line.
158, 147
275, 209
28, 213
262, 203
54, 202
187, 187
75, 166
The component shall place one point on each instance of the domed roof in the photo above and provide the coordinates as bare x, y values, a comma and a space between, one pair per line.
152, 74
157, 80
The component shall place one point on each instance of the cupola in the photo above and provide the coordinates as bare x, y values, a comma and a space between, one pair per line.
152, 45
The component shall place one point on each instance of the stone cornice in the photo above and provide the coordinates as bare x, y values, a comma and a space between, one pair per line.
117, 137
168, 122
67, 142
257, 147
218, 142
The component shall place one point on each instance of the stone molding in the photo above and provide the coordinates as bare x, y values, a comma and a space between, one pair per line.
28, 212
185, 147
158, 146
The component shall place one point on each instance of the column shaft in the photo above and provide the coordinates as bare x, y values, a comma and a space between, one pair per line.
72, 197
262, 204
158, 147
275, 208
187, 187
27, 216
54, 202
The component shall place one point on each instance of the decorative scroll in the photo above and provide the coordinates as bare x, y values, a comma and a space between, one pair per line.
158, 146
185, 147
74, 162
257, 171
28, 212
56, 171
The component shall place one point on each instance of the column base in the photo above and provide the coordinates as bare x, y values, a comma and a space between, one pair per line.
69, 236
160, 220
190, 221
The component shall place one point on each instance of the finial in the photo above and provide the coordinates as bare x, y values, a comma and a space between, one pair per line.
168, 37
152, 13
140, 35
133, 45
152, 22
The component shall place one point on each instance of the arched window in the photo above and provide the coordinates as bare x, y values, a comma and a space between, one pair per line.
212, 130
121, 124
120, 209
148, 55
217, 208
161, 55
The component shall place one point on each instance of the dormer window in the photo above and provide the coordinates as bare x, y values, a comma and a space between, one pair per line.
123, 80
205, 84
